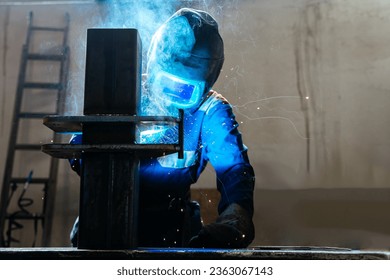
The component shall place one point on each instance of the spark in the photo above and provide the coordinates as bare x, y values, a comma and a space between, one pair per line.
266, 99
237, 107
277, 117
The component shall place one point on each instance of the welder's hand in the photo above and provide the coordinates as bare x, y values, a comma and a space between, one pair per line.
233, 229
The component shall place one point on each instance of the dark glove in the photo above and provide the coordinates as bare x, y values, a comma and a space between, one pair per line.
233, 229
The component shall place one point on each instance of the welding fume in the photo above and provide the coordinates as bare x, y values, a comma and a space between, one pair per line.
184, 60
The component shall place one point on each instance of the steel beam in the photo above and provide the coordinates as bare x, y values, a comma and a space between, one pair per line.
109, 185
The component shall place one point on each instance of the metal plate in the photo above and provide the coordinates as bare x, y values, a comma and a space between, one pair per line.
142, 150
189, 254
74, 124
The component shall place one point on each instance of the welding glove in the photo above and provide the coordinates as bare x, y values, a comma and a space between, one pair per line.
233, 229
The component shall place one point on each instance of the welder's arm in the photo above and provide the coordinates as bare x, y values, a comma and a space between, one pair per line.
234, 227
235, 181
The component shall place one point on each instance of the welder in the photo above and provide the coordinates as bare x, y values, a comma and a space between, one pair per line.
184, 61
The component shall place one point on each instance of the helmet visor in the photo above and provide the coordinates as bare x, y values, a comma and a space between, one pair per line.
181, 92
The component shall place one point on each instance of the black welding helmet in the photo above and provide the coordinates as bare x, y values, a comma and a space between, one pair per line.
185, 58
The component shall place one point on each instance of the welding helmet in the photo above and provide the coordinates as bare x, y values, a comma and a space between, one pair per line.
185, 58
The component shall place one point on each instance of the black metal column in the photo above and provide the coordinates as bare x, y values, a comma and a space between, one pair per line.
109, 187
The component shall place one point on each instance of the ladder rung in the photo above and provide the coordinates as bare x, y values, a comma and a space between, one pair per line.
41, 28
33, 180
37, 56
30, 115
28, 147
43, 85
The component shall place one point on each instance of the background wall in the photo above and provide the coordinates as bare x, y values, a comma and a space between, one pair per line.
309, 84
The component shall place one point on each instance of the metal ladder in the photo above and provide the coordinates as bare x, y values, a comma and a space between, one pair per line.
8, 219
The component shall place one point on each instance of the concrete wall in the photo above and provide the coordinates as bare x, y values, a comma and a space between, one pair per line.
309, 84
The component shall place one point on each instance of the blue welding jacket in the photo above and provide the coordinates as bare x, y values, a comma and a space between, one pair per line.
210, 135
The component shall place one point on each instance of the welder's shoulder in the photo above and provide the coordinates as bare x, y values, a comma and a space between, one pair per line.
213, 102
217, 97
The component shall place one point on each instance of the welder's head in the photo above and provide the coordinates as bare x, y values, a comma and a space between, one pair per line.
185, 58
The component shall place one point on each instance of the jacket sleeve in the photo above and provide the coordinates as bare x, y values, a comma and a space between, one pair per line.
223, 146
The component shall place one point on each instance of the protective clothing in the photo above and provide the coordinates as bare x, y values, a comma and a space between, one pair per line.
211, 135
229, 231
189, 49
167, 216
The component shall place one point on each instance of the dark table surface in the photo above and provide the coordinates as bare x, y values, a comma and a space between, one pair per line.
269, 252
